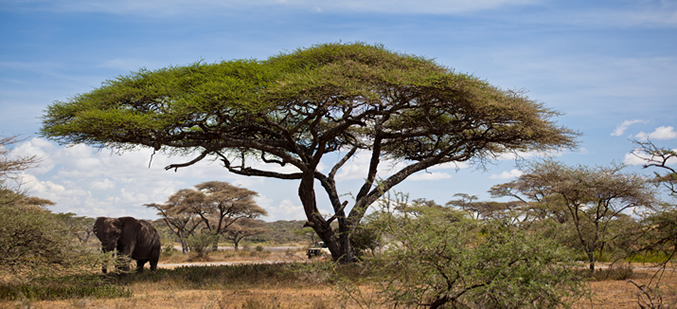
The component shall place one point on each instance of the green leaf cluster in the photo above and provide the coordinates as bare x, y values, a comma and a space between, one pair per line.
328, 96
439, 258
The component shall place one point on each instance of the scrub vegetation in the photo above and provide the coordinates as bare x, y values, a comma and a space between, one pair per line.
569, 236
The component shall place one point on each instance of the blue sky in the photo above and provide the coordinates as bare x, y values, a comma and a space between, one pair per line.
609, 66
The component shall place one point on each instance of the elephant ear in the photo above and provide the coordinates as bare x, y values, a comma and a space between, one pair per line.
115, 226
107, 227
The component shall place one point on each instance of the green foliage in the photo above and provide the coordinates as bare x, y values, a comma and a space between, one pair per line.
201, 244
594, 200
34, 240
438, 258
366, 238
296, 108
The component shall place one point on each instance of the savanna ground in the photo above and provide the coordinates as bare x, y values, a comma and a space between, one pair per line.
264, 279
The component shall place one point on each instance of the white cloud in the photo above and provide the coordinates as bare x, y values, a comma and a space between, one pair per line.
661, 133
507, 175
640, 158
105, 184
429, 176
286, 210
620, 129
527, 155
357, 168
88, 182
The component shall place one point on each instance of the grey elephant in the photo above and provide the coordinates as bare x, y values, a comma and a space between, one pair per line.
133, 238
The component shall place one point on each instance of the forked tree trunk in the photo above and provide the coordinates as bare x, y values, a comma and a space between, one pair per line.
339, 245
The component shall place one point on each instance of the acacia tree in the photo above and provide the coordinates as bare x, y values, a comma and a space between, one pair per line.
180, 224
295, 108
659, 234
226, 204
593, 197
660, 160
514, 212
212, 206
244, 228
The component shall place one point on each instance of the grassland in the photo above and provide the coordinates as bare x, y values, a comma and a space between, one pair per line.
263, 279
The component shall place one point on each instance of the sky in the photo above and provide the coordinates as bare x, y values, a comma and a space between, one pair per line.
609, 66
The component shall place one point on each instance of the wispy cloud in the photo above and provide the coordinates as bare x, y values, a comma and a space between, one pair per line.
173, 7
661, 133
429, 176
620, 129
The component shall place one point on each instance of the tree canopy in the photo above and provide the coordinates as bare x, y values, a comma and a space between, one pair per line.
214, 206
592, 197
295, 108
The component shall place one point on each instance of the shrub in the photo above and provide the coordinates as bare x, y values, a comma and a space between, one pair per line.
201, 244
437, 258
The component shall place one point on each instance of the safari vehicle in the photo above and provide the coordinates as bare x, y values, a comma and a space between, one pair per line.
319, 249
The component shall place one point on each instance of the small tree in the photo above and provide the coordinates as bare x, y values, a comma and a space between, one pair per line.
180, 224
515, 212
593, 197
243, 229
213, 206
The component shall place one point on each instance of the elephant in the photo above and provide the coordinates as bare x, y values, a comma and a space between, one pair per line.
136, 239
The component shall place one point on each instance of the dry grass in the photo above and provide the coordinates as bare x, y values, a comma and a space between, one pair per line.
622, 294
305, 293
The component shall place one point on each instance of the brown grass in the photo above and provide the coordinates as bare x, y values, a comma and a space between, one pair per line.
605, 294
622, 294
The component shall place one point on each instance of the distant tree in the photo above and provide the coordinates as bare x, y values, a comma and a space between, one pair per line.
513, 212
243, 229
319, 105
593, 197
179, 223
225, 205
212, 207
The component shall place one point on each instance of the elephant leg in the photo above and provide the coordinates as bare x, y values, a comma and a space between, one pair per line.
139, 265
153, 264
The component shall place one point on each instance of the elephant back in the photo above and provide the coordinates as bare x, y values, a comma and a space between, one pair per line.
147, 241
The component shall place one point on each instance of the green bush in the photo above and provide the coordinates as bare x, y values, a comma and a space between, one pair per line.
169, 250
201, 244
35, 241
437, 258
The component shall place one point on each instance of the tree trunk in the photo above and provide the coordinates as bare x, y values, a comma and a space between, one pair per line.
184, 246
591, 259
340, 248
